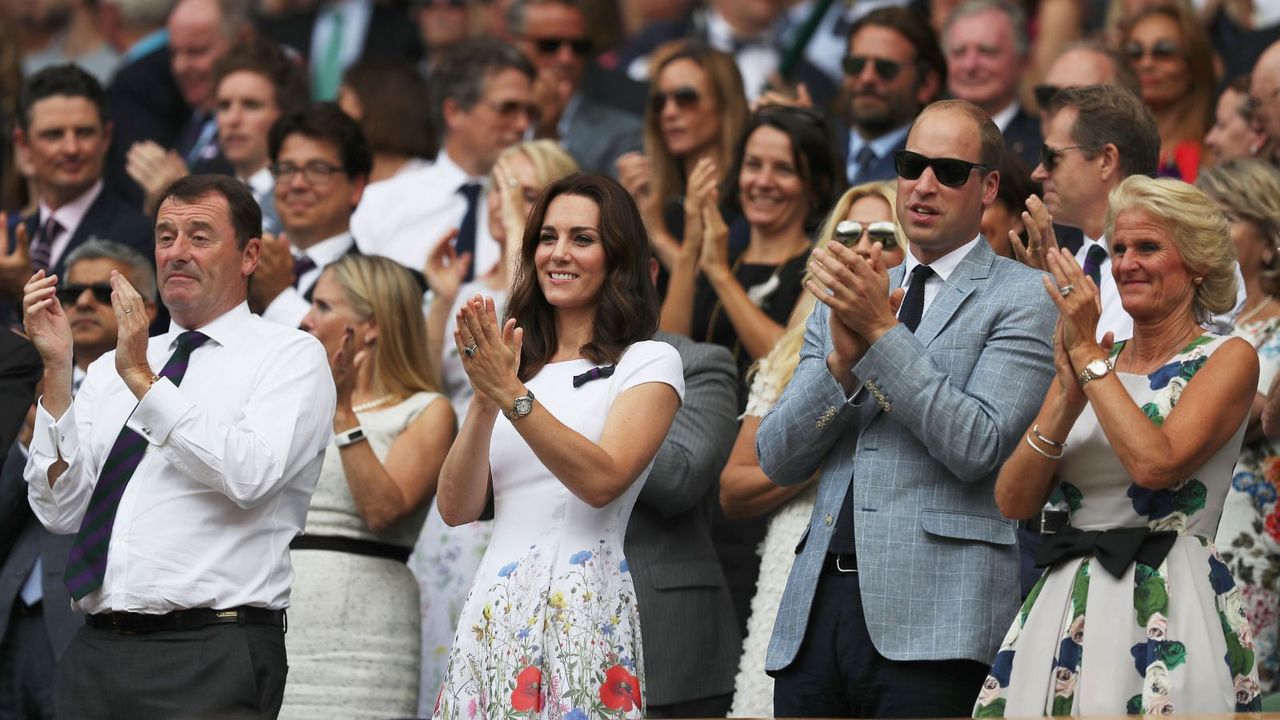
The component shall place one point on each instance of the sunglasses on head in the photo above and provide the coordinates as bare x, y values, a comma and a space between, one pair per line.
848, 232
949, 171
885, 69
1161, 50
1044, 95
70, 293
684, 97
550, 46
1049, 155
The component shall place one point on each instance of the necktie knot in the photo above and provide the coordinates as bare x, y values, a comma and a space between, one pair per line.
1093, 260
41, 251
471, 191
190, 340
913, 302
866, 156
302, 264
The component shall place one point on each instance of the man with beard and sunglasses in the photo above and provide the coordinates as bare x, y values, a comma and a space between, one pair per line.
913, 386
893, 68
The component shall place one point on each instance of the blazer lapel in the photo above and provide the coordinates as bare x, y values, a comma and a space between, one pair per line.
975, 266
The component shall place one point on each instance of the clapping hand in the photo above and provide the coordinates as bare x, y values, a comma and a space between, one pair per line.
347, 364
1040, 236
45, 321
856, 288
702, 183
132, 326
714, 257
445, 268
274, 273
1079, 307
490, 354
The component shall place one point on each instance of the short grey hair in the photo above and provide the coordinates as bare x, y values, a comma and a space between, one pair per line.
1017, 20
141, 274
517, 9
143, 13
463, 71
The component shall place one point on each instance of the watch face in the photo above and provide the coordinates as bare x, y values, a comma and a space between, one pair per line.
1098, 367
523, 405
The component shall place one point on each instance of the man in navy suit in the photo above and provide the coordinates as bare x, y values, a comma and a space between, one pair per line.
987, 48
893, 68
63, 133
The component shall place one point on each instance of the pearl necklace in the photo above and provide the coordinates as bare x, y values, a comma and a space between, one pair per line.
1247, 316
371, 404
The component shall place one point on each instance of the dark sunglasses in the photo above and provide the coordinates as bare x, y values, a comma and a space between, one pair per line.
684, 97
68, 294
949, 171
855, 64
1044, 95
849, 231
550, 46
1049, 155
1161, 50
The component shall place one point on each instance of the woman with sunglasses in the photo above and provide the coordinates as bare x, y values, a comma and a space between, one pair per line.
785, 175
1170, 51
697, 110
864, 215
1136, 612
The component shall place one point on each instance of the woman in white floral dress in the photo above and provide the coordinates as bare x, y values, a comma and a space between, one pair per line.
550, 628
1248, 192
1136, 613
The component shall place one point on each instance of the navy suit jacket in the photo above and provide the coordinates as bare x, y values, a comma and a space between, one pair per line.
1022, 138
881, 169
143, 103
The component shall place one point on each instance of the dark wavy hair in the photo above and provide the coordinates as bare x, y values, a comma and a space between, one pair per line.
627, 309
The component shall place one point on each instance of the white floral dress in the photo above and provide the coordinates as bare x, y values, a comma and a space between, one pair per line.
1249, 535
550, 628
1157, 640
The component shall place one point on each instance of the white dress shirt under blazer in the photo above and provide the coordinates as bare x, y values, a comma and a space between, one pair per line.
403, 217
291, 305
232, 459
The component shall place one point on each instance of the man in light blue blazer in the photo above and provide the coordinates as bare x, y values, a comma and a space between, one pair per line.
913, 386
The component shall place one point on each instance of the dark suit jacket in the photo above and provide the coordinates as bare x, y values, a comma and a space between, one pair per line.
599, 134
1022, 138
143, 103
881, 169
392, 35
691, 640
32, 541
20, 369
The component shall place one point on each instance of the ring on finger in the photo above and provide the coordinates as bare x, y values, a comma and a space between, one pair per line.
1065, 290
470, 350
128, 309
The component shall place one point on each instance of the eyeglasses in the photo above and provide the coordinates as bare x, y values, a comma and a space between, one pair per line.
316, 172
1044, 95
550, 46
885, 69
882, 231
949, 171
1161, 50
511, 109
70, 293
684, 97
1049, 155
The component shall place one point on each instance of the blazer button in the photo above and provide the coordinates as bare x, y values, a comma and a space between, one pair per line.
827, 520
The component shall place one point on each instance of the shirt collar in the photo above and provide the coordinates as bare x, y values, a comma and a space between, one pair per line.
943, 266
1005, 116
450, 174
224, 329
70, 215
147, 44
882, 145
328, 251
261, 182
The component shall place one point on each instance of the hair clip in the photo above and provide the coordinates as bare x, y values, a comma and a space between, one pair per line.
594, 373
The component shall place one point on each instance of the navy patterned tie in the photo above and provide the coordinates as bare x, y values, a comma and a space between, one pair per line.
302, 264
1093, 260
41, 251
87, 563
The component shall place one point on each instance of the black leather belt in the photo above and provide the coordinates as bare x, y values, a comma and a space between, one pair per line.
127, 623
840, 564
1047, 522
353, 546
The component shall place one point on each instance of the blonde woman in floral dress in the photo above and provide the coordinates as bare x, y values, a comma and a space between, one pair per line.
1136, 613
550, 628
1248, 192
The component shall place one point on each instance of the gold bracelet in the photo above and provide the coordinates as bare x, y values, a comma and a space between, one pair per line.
1035, 430
1042, 452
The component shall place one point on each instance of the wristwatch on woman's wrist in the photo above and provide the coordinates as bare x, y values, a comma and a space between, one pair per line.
522, 406
1095, 369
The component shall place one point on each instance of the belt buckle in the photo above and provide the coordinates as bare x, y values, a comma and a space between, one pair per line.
842, 569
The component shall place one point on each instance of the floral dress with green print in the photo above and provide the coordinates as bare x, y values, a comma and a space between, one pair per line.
1159, 640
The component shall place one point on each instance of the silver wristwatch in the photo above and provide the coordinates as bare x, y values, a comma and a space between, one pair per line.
522, 406
1094, 370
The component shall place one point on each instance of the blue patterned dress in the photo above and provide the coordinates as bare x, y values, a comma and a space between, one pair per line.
1157, 640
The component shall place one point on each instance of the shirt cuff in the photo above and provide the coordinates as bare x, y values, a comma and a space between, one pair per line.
288, 308
159, 411
51, 438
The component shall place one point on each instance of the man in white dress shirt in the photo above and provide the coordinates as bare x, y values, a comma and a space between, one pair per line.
321, 162
184, 487
482, 96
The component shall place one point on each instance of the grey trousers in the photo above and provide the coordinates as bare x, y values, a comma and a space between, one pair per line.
216, 673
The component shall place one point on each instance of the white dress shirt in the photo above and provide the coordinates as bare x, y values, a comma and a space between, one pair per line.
69, 217
291, 306
942, 269
403, 217
233, 456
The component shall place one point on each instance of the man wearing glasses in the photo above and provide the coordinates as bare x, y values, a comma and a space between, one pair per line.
553, 35
482, 100
893, 68
321, 162
913, 386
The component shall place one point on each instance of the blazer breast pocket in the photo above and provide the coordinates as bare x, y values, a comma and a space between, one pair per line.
958, 525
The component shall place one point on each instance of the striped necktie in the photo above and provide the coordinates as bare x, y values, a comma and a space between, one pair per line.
87, 563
